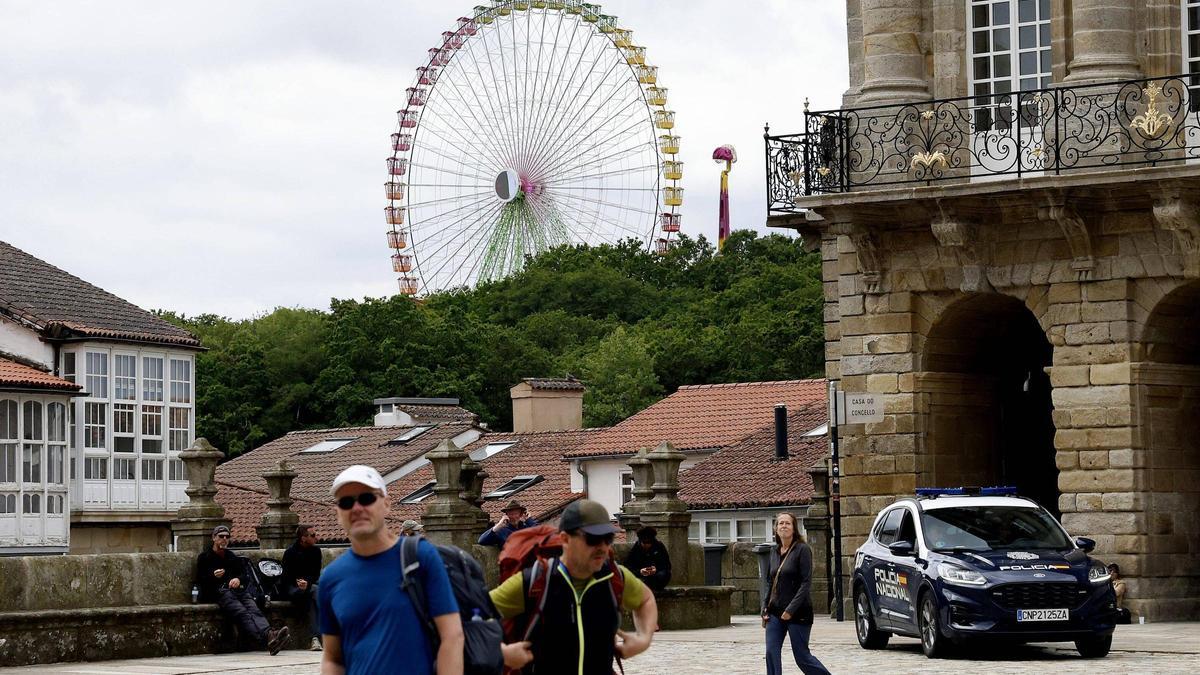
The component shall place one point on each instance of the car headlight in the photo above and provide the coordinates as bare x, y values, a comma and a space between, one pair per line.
959, 576
1098, 574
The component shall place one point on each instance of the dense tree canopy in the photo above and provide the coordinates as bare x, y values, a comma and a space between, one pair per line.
632, 324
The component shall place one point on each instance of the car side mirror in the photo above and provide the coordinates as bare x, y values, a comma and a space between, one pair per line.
901, 548
1085, 544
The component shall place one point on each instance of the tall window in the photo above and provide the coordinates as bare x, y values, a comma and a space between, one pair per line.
95, 432
68, 367
97, 374
123, 429
56, 437
125, 377
1010, 51
152, 379
181, 381
152, 428
181, 423
33, 446
9, 440
626, 487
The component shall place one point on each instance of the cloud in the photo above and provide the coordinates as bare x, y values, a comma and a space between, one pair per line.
228, 157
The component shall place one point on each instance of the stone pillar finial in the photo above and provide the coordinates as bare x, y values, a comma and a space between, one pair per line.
643, 480
449, 519
193, 523
471, 478
278, 525
668, 514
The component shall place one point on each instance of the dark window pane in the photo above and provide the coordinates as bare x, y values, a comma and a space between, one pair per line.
1044, 30
1003, 86
1044, 9
982, 72
1029, 84
983, 88
1045, 60
1193, 15
1002, 65
1029, 63
1026, 10
1194, 45
1000, 14
1028, 38
979, 15
1000, 41
1045, 82
981, 42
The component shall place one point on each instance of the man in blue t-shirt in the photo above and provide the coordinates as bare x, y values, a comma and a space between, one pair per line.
368, 623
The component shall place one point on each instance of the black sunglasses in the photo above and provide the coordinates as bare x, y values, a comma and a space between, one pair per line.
366, 499
597, 539
222, 536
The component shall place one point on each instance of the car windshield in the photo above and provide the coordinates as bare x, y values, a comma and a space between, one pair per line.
991, 528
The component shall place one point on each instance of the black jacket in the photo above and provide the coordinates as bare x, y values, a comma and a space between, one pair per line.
657, 557
791, 591
208, 561
556, 638
301, 563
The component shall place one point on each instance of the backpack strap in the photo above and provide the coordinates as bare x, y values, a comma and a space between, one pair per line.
410, 581
535, 591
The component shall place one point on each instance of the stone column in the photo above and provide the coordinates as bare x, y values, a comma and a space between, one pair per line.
816, 525
449, 519
193, 523
277, 529
472, 478
1104, 41
666, 512
893, 57
643, 490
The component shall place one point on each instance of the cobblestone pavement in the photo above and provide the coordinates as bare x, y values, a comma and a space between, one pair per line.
737, 650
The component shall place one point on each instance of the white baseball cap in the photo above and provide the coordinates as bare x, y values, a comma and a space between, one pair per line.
359, 473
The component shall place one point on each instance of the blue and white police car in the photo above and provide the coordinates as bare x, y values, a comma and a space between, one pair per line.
950, 565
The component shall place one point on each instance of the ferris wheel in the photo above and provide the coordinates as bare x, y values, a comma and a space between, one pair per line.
534, 123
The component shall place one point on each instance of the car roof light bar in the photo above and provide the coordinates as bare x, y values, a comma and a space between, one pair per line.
994, 491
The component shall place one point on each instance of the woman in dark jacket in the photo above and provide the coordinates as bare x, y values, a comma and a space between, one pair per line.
788, 607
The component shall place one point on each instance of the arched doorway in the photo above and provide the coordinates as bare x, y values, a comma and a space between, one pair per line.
987, 399
1168, 379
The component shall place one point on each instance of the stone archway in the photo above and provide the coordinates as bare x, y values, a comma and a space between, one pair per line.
1168, 390
986, 399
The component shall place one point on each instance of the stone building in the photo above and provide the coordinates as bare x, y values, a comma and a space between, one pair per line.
1008, 210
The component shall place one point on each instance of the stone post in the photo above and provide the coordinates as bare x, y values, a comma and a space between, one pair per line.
893, 58
449, 519
666, 512
277, 529
643, 481
1104, 41
472, 478
193, 523
816, 525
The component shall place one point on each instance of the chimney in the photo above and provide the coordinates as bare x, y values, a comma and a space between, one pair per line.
781, 444
406, 412
547, 404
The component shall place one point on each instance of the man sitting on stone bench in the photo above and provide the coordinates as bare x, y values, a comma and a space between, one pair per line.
223, 577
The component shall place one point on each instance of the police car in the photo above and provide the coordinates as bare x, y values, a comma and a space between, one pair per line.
953, 564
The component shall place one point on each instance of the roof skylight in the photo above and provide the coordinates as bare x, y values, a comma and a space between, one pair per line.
329, 445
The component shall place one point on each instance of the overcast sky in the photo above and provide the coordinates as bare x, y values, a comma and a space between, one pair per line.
228, 157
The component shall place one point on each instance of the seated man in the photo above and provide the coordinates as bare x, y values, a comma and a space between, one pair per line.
223, 577
649, 560
301, 573
515, 518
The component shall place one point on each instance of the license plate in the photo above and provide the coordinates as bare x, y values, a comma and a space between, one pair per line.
1043, 614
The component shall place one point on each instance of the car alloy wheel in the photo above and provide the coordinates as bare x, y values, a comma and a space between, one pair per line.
932, 642
869, 637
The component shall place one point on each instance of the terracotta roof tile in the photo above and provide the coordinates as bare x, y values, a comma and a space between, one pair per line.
21, 376
703, 416
559, 383
438, 412
745, 473
55, 301
245, 508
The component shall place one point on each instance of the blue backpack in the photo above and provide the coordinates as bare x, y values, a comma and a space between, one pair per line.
480, 620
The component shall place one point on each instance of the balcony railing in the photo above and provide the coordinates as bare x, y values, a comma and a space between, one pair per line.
976, 138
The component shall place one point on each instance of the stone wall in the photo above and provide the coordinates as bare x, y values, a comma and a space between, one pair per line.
119, 538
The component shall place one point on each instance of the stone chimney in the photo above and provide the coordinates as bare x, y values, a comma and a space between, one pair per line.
407, 412
547, 404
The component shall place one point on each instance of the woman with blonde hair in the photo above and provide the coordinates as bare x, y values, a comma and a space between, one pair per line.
788, 605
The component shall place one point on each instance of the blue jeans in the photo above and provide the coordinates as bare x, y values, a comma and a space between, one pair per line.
798, 635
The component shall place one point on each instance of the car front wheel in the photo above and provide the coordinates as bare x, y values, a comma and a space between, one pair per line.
1095, 647
869, 637
933, 643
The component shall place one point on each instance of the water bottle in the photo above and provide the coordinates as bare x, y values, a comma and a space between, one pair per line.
195, 594
476, 615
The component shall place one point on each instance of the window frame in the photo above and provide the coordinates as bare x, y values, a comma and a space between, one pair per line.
513, 486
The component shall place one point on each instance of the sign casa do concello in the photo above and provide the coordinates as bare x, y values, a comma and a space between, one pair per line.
853, 408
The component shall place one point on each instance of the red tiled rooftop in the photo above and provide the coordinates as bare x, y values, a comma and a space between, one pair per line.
703, 416
745, 474
20, 376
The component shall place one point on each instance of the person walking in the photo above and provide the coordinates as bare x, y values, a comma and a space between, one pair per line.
368, 622
577, 620
224, 578
788, 608
301, 575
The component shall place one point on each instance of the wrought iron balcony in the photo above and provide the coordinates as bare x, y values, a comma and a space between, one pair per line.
974, 138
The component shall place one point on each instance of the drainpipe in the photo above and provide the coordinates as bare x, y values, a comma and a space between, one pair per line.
581, 472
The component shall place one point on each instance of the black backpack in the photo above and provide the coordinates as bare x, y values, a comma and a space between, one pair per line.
480, 620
